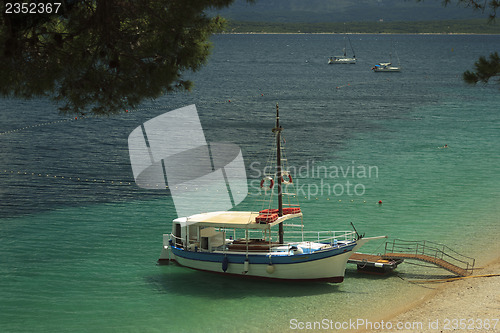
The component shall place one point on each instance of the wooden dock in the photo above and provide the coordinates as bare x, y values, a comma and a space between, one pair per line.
430, 252
422, 257
398, 250
373, 264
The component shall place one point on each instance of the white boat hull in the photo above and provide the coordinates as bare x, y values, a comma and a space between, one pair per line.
386, 67
391, 69
320, 266
342, 61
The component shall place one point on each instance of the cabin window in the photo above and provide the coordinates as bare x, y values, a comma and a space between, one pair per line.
177, 234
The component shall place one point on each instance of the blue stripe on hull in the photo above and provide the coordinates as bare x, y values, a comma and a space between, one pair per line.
262, 258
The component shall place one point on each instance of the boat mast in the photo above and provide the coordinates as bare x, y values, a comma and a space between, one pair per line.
345, 43
352, 49
278, 130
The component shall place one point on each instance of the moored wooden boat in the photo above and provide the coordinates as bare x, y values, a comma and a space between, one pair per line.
252, 243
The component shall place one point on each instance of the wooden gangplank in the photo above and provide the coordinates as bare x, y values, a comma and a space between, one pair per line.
422, 257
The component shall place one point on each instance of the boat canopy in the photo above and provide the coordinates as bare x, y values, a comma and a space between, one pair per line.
231, 219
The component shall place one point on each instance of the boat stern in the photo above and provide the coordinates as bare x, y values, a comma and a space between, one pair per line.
166, 255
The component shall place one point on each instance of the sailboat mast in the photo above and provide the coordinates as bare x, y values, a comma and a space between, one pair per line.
352, 49
345, 43
278, 130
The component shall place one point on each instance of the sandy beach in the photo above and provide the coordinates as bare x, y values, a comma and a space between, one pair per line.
466, 305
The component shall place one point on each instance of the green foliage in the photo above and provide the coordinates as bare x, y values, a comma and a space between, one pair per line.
481, 5
485, 70
102, 56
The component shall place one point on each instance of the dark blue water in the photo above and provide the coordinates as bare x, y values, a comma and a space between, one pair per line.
79, 241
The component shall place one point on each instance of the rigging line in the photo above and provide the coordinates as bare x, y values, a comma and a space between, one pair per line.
286, 169
378, 247
270, 162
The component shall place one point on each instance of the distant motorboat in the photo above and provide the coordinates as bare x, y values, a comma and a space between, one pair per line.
386, 67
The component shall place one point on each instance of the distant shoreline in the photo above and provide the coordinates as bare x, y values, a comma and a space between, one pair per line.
357, 33
472, 26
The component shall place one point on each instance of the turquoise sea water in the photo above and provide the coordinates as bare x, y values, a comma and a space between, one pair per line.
79, 241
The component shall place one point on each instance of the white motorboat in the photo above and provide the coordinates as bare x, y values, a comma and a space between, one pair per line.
386, 67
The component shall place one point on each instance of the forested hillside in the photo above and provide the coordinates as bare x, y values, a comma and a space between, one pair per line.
313, 11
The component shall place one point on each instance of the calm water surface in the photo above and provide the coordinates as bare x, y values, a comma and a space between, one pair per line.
79, 241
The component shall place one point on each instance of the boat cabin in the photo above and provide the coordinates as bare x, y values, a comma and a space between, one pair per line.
232, 230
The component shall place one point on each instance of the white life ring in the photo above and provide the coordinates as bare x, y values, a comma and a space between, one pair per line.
271, 182
284, 176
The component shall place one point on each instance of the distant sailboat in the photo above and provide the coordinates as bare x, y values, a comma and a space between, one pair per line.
344, 59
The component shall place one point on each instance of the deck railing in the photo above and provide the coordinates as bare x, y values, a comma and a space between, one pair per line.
431, 249
292, 237
327, 237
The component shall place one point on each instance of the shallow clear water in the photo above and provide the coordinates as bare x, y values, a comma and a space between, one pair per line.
79, 241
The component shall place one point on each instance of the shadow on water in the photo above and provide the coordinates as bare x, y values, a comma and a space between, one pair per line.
352, 273
431, 273
173, 279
